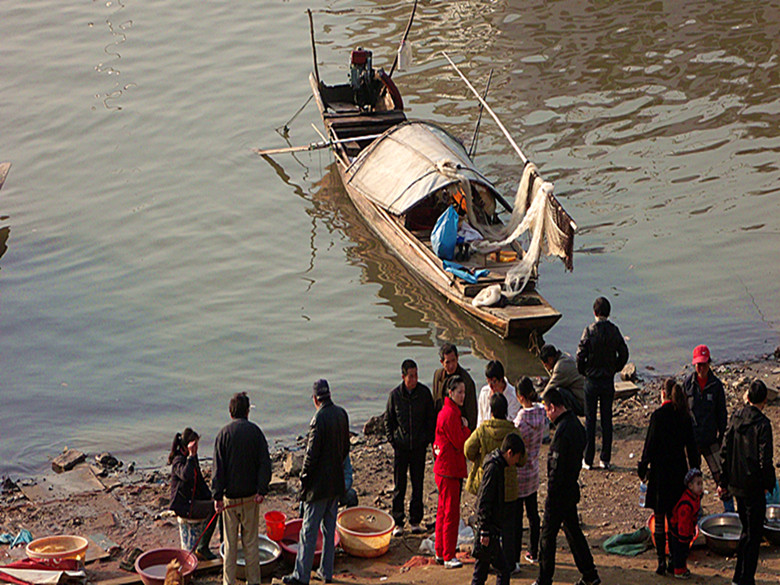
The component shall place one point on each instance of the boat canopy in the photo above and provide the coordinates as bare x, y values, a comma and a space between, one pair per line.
409, 162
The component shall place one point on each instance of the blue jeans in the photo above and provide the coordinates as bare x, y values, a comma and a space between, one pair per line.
599, 395
320, 513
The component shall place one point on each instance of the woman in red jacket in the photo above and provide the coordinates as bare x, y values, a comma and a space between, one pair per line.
449, 469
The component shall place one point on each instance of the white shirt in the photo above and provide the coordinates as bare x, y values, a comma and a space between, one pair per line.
483, 403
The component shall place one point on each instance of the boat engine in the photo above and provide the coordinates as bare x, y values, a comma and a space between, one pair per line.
361, 78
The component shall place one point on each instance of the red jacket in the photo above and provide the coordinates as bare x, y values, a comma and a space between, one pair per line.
451, 435
684, 516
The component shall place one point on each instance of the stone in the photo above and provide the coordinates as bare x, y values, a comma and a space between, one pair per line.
293, 463
374, 426
67, 460
107, 460
628, 373
277, 484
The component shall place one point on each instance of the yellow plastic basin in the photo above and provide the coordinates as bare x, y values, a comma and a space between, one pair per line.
57, 548
365, 532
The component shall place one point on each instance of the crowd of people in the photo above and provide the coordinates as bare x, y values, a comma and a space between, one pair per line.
500, 430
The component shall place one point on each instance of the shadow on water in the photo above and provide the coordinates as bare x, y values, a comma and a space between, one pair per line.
413, 303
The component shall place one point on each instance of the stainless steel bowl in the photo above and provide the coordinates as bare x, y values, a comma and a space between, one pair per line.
772, 524
270, 552
721, 531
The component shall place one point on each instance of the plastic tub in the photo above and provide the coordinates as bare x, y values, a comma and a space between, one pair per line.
274, 524
52, 549
772, 524
152, 565
289, 542
365, 532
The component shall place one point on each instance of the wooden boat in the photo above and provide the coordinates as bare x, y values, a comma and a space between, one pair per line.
392, 171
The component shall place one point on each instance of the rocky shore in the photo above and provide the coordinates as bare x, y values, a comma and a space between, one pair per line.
121, 508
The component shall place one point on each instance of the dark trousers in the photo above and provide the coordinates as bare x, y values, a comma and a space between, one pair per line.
412, 462
491, 554
508, 532
678, 551
659, 535
599, 395
556, 515
532, 510
751, 512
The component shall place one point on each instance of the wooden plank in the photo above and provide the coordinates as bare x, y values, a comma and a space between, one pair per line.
132, 578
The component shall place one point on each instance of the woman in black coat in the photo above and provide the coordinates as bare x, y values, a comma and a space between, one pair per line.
190, 495
664, 464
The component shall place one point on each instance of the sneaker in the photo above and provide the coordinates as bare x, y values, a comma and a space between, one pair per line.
529, 558
398, 530
439, 560
417, 529
583, 581
586, 465
320, 577
291, 580
684, 575
661, 569
453, 563
517, 569
606, 465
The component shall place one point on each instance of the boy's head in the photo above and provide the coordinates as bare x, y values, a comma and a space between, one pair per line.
695, 481
757, 393
513, 449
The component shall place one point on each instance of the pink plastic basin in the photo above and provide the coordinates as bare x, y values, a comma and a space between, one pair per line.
289, 543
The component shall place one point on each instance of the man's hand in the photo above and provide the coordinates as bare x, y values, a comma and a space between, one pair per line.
484, 541
219, 506
721, 491
259, 499
465, 421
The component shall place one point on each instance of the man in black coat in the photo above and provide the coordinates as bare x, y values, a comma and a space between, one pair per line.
707, 403
410, 426
601, 354
749, 473
563, 493
491, 510
242, 472
322, 484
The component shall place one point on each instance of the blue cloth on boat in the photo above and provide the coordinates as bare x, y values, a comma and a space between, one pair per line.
445, 234
462, 272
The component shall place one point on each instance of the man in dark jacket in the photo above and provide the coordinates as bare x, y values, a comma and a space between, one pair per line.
322, 484
242, 472
563, 493
749, 473
491, 509
448, 356
707, 403
601, 354
410, 426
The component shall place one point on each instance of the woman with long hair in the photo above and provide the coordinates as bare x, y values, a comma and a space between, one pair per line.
663, 464
190, 495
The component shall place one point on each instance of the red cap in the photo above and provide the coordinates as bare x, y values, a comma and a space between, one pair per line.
701, 355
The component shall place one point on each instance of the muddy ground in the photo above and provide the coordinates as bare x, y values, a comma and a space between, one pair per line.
128, 507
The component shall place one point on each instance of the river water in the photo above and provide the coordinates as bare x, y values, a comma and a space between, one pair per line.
154, 265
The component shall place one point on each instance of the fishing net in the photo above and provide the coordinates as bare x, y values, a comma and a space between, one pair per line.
536, 211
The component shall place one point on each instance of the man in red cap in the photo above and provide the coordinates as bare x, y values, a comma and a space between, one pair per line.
707, 403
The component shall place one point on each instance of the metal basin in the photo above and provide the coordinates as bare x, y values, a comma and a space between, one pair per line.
721, 532
772, 524
269, 555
